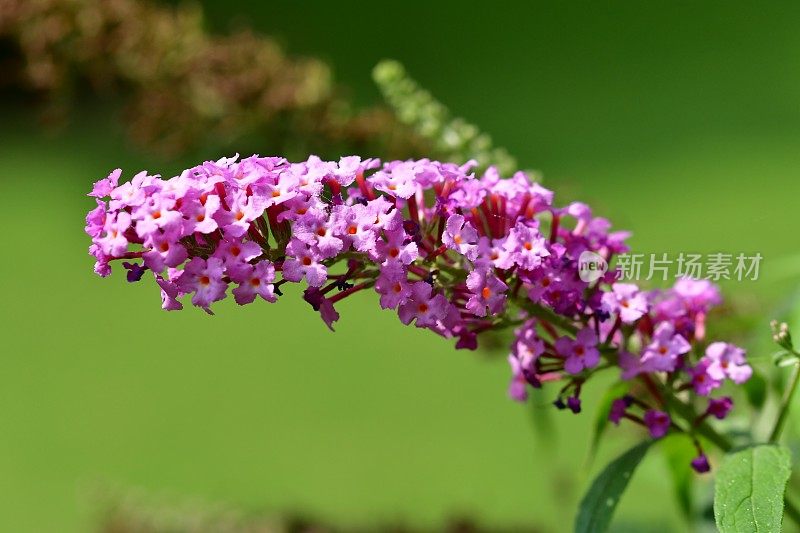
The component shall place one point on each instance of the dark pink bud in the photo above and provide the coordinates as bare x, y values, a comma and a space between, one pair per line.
719, 407
700, 464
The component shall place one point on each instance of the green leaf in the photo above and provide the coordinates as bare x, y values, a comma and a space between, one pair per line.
784, 358
679, 450
748, 493
788, 361
597, 506
617, 390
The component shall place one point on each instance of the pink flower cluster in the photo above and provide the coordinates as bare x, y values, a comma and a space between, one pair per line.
450, 251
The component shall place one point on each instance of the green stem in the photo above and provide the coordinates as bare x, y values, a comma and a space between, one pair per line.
686, 411
545, 313
785, 405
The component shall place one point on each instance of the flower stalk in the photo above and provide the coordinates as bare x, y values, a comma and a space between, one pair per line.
786, 403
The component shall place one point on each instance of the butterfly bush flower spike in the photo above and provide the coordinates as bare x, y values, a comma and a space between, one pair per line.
447, 250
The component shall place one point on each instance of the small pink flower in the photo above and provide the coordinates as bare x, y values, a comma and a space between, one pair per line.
398, 182
241, 211
423, 306
157, 213
317, 231
283, 191
700, 464
199, 213
113, 242
527, 346
527, 248
702, 382
204, 279
356, 226
302, 261
393, 286
164, 251
104, 187
727, 360
254, 281
169, 294
461, 236
627, 300
495, 252
618, 410
95, 220
663, 352
580, 353
235, 252
719, 407
657, 423
486, 292
396, 249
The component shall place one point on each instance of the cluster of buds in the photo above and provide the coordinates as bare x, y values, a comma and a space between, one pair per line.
452, 137
788, 354
447, 250
782, 336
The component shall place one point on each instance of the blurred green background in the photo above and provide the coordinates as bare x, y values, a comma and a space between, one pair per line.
679, 121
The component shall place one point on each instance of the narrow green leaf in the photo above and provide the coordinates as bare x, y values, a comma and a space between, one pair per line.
748, 493
600, 501
778, 356
678, 451
617, 390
